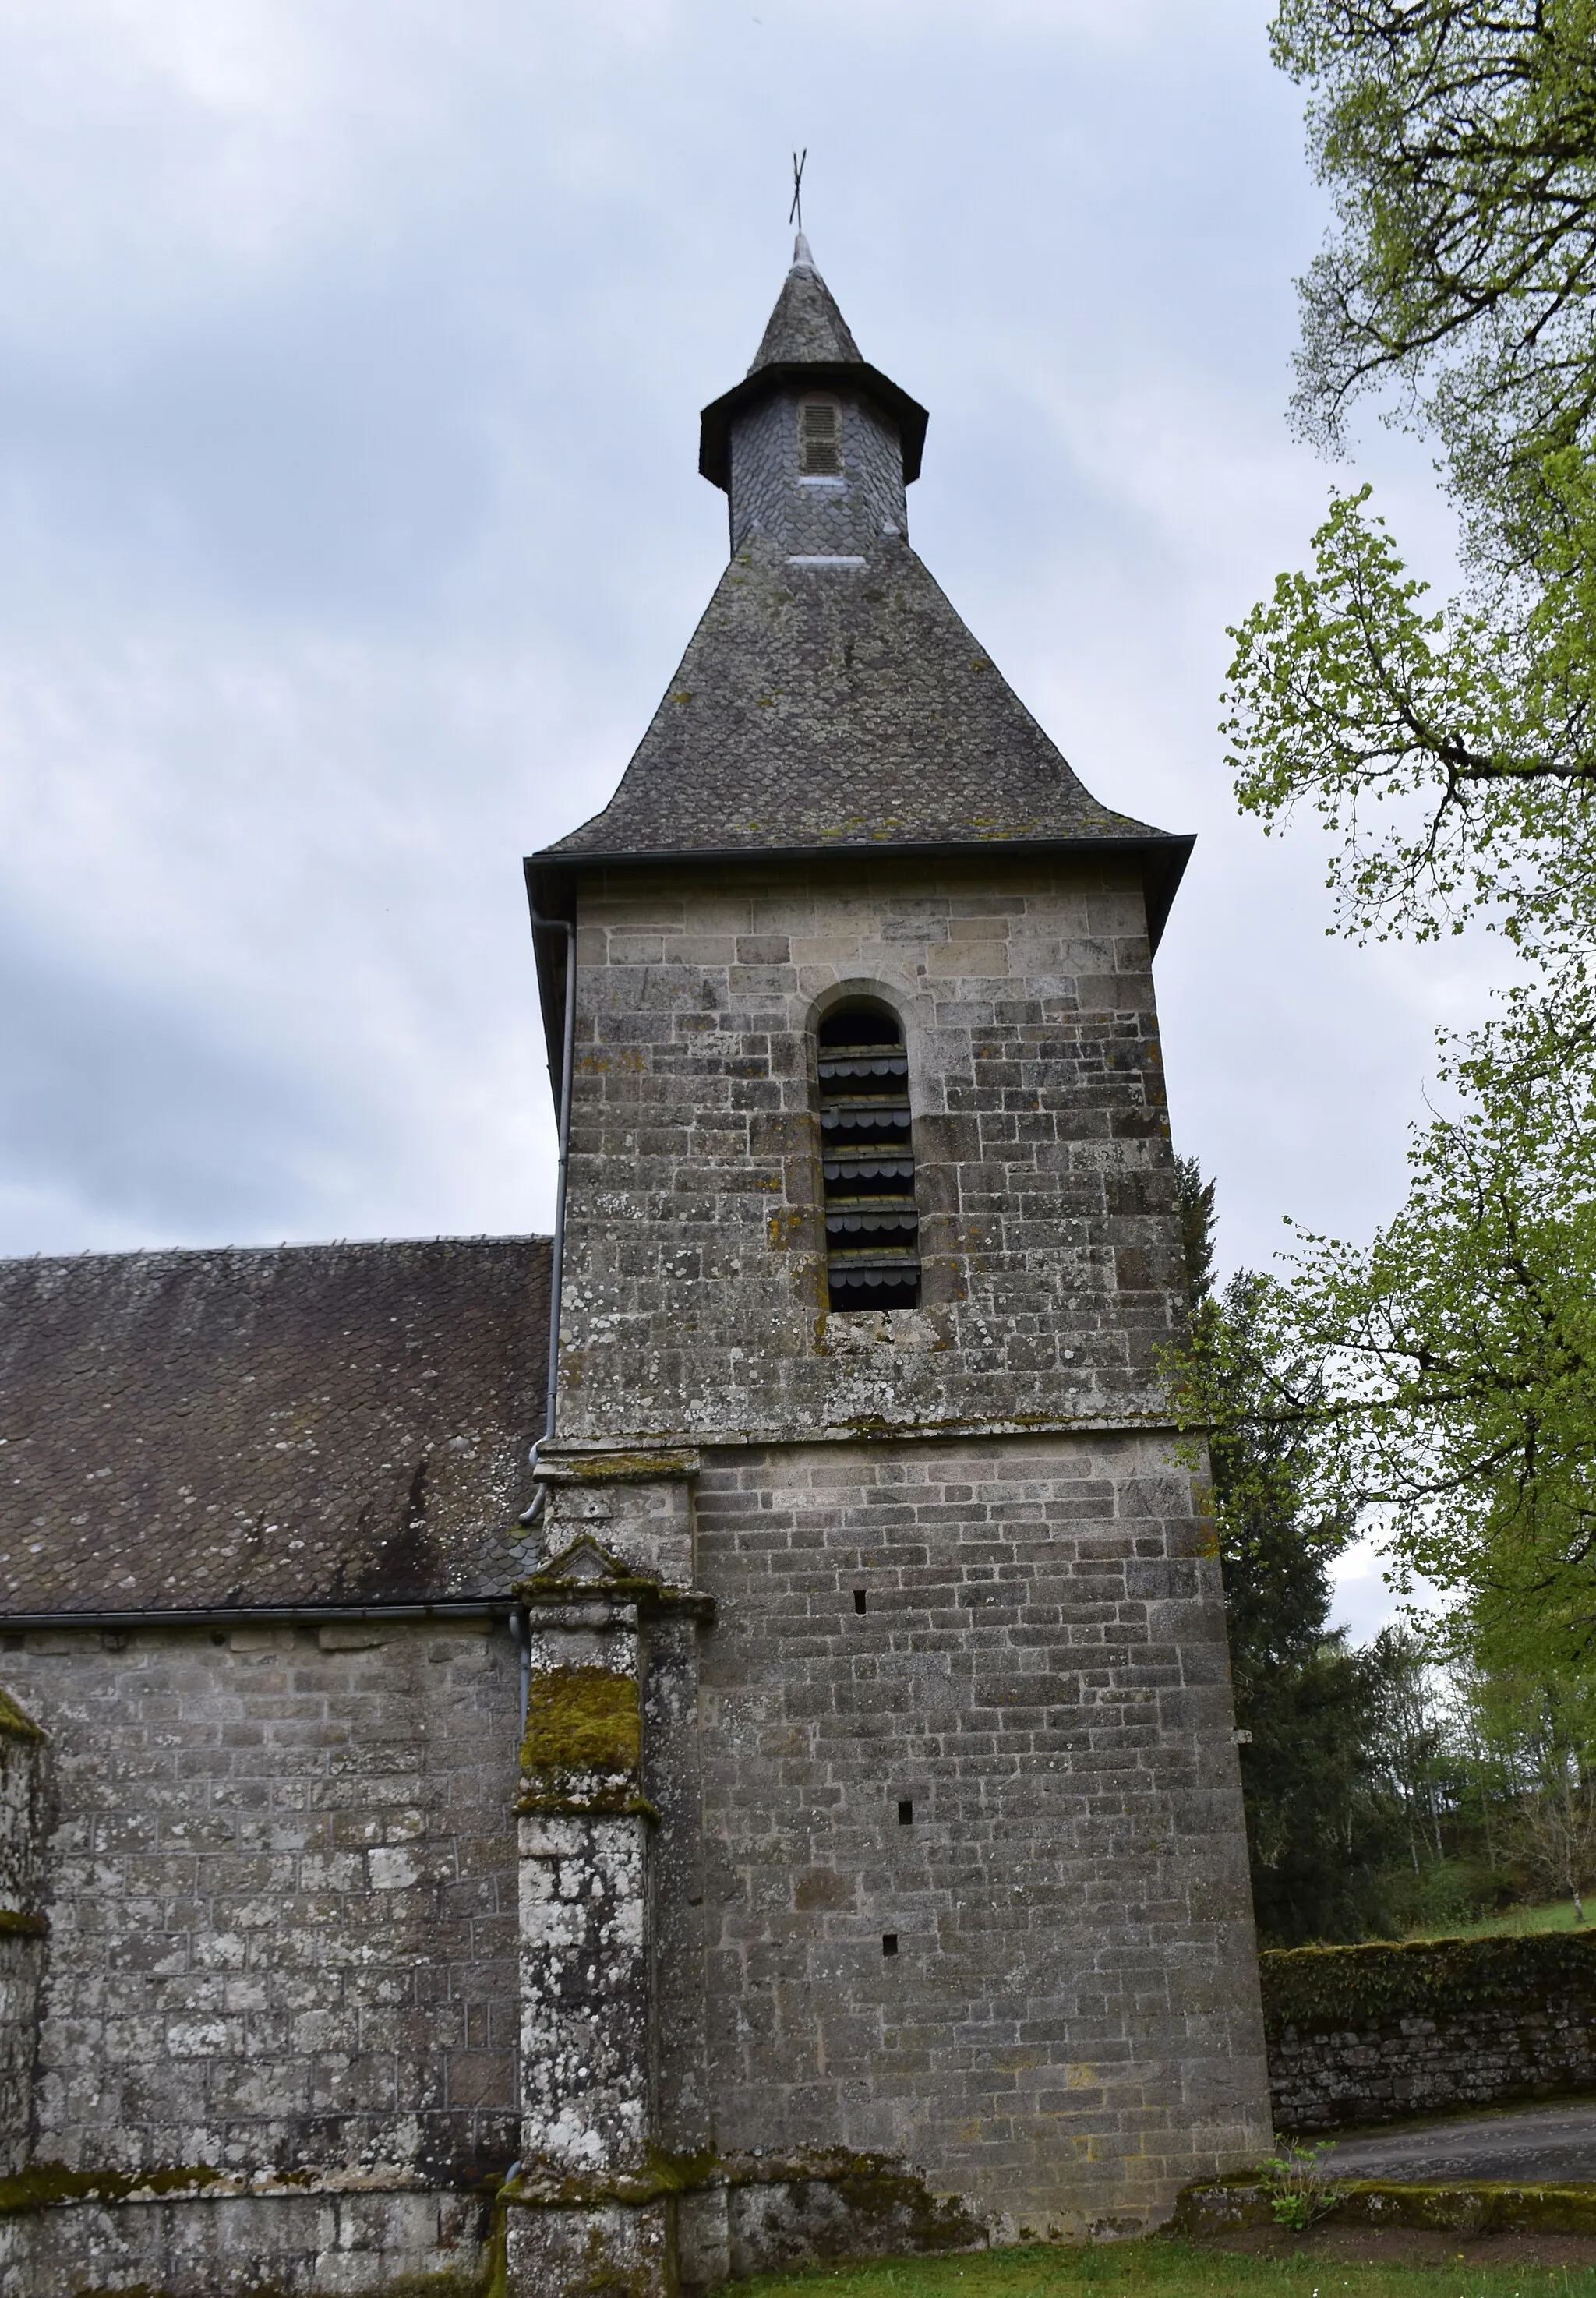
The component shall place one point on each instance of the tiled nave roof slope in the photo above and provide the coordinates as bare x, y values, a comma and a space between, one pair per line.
309, 1426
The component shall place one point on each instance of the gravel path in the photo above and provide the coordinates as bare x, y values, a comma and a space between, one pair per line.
1525, 2146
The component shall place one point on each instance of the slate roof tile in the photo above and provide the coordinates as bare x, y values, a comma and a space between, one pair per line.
807, 326
314, 1425
834, 705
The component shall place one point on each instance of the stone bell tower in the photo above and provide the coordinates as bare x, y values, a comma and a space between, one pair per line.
883, 1876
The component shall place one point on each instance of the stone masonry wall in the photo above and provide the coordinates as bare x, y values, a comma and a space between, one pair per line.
280, 1880
1410, 2066
21, 1925
841, 517
226, 2246
1069, 2028
1368, 2033
695, 1267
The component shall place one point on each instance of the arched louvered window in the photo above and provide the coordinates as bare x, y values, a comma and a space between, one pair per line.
867, 1156
820, 439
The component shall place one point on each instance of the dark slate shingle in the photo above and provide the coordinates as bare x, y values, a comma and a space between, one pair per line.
342, 1424
836, 707
807, 326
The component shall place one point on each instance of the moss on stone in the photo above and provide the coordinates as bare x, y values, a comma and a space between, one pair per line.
15, 1723
558, 1587
48, 2185
620, 1468
884, 2197
581, 1719
1334, 1989
1479, 2207
661, 2174
18, 1926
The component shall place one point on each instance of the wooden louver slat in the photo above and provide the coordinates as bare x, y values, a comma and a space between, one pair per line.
820, 439
867, 1162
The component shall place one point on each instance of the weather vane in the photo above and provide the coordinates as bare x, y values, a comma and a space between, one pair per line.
795, 213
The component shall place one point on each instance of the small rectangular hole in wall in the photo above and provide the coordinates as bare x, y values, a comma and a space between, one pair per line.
889, 1942
859, 1602
905, 1811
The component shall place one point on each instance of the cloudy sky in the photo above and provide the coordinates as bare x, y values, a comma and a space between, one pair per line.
349, 529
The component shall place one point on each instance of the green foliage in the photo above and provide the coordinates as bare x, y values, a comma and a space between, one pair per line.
1444, 1373
1456, 137
1533, 1740
1298, 2184
1328, 1989
1319, 1830
1451, 751
1194, 1202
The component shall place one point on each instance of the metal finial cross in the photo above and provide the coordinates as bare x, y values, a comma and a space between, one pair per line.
795, 213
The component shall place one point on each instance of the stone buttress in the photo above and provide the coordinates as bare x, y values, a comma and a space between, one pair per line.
883, 1879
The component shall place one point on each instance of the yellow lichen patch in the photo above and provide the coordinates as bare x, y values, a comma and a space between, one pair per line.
581, 1719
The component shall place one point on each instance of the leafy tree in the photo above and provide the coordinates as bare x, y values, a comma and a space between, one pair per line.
1533, 1740
1447, 1372
1318, 1829
1456, 137
1458, 140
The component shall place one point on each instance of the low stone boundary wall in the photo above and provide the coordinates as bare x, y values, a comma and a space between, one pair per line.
1366, 2034
1227, 2205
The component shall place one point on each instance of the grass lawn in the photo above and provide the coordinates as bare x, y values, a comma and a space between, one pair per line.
1168, 2270
1558, 1916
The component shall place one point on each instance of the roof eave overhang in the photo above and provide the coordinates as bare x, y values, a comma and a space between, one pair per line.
715, 424
551, 879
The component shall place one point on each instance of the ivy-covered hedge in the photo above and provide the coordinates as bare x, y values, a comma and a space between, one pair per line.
1325, 1990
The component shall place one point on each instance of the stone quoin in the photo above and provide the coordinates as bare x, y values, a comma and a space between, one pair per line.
795, 1815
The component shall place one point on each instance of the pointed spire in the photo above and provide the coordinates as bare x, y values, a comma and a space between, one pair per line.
808, 342
805, 327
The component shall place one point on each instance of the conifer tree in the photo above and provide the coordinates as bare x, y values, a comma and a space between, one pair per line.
1319, 1830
